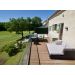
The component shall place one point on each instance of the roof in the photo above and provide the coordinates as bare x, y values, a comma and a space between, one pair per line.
58, 12
45, 22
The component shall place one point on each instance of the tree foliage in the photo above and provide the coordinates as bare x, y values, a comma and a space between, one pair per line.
36, 22
18, 25
21, 24
29, 22
2, 26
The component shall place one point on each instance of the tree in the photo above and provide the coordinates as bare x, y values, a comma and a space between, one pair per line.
7, 26
18, 25
14, 25
22, 25
29, 23
36, 22
2, 26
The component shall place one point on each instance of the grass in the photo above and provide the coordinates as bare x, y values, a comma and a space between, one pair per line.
6, 38
3, 57
14, 60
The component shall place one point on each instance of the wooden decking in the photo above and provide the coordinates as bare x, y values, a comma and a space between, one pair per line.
39, 56
34, 58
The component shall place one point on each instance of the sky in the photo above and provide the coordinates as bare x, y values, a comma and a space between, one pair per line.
5, 15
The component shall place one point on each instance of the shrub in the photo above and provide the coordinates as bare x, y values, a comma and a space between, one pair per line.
21, 45
11, 49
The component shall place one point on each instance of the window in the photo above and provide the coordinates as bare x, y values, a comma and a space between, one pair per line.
54, 27
58, 28
49, 28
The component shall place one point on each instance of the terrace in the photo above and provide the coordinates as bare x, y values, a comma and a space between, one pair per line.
39, 55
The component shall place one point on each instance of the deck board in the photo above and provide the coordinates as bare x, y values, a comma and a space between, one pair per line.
44, 58
34, 55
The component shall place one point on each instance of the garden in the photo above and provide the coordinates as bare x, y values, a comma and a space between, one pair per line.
12, 36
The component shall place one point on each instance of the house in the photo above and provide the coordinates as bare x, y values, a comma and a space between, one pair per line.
61, 25
45, 22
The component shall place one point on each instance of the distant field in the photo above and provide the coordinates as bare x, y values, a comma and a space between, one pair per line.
7, 37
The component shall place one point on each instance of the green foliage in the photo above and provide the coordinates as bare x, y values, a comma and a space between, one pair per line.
14, 60
18, 25
2, 26
36, 22
10, 49
3, 57
7, 25
7, 37
9, 29
21, 45
29, 22
21, 24
17, 59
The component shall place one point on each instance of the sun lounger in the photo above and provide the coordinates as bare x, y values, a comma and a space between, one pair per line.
60, 51
56, 49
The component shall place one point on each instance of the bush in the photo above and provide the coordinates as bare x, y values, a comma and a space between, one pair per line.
11, 49
21, 45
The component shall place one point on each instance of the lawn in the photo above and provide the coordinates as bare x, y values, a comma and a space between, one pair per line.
14, 60
6, 38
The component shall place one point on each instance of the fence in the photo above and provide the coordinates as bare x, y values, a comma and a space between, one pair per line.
26, 55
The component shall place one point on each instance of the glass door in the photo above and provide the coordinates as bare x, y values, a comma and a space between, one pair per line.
61, 31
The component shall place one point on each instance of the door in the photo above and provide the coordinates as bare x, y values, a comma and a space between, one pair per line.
61, 31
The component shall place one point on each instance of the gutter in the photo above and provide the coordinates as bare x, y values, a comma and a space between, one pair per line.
58, 12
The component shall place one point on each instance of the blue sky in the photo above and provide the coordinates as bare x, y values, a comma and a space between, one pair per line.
5, 15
